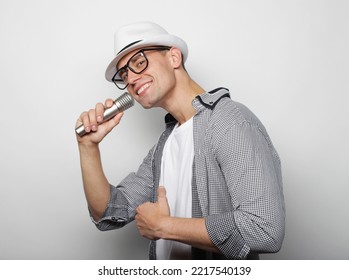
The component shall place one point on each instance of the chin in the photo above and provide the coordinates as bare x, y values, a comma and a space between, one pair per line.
147, 106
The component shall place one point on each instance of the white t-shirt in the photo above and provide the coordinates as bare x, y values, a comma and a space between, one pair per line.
176, 176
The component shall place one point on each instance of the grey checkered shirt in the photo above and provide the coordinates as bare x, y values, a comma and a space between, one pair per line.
236, 184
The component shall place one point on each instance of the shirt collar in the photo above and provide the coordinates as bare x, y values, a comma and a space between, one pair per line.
205, 100
210, 99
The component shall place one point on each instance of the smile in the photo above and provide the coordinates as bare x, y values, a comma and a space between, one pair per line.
142, 88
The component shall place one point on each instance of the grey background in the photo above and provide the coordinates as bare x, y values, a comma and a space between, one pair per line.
286, 60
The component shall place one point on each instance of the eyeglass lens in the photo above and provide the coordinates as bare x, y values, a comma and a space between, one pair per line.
136, 64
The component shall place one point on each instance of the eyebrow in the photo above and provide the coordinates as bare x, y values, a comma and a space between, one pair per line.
118, 69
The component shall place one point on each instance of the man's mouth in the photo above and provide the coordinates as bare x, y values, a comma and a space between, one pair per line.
143, 88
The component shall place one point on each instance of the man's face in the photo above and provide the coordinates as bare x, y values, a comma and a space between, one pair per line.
151, 87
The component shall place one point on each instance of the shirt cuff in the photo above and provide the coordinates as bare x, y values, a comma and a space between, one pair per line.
225, 236
116, 214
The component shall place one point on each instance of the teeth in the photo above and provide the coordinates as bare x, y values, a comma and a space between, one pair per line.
143, 88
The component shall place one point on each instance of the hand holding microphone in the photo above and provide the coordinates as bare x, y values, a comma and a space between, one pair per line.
125, 101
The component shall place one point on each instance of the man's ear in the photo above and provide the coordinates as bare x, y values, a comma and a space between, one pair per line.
176, 57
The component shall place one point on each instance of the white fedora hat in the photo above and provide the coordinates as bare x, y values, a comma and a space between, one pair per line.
138, 35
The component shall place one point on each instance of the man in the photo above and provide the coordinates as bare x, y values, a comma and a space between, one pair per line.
211, 186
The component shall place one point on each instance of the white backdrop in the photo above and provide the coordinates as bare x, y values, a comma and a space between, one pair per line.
286, 60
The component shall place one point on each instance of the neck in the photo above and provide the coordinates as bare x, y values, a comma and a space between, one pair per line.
179, 103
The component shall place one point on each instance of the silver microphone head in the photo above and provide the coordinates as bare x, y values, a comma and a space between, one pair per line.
125, 101
122, 103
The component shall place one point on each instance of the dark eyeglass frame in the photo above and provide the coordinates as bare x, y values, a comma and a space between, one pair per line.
117, 79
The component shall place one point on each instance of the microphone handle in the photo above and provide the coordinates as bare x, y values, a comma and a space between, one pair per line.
122, 103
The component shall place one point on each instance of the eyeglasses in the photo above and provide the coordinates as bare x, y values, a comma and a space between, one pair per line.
137, 64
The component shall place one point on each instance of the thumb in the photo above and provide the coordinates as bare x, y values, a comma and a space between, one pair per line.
162, 200
161, 193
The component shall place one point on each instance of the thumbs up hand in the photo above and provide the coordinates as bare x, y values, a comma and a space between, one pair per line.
151, 218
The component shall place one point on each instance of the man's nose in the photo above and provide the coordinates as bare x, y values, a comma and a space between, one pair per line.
132, 77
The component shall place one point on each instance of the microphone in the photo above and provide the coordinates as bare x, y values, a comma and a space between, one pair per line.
121, 103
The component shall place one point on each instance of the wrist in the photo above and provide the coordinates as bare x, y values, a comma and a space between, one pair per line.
88, 148
166, 228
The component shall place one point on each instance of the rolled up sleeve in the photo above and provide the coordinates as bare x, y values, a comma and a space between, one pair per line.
116, 215
133, 191
226, 236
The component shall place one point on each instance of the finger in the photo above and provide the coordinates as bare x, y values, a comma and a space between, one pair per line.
161, 192
99, 112
79, 120
139, 208
93, 119
162, 201
108, 103
85, 121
